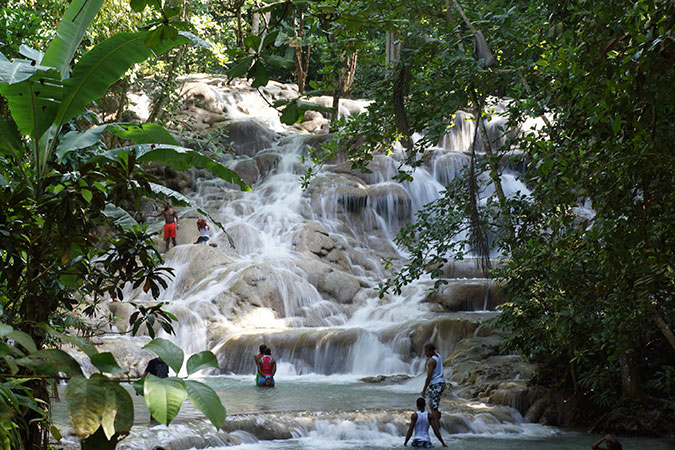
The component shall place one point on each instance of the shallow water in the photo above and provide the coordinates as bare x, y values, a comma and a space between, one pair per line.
343, 412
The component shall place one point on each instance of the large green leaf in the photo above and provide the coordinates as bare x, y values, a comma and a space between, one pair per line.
119, 413
119, 216
102, 66
168, 351
86, 400
10, 139
206, 400
5, 329
51, 362
76, 140
87, 347
180, 158
164, 397
33, 102
18, 70
72, 27
146, 133
24, 339
200, 361
105, 362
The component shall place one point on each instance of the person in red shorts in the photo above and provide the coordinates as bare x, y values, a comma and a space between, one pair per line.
170, 223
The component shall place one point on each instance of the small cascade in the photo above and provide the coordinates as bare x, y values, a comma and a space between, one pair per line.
303, 279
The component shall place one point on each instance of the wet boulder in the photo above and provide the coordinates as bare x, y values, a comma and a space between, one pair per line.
469, 295
248, 171
390, 200
314, 239
247, 136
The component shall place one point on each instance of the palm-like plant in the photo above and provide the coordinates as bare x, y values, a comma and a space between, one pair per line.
57, 185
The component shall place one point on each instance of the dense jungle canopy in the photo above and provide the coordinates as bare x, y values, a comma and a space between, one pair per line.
591, 296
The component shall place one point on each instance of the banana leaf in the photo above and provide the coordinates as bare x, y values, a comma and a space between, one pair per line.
102, 66
10, 140
69, 34
119, 216
180, 158
33, 102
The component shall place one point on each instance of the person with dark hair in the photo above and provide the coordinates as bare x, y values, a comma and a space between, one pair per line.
170, 223
610, 442
257, 357
434, 385
419, 423
157, 367
268, 367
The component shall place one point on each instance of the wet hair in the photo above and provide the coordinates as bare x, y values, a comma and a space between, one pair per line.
431, 347
262, 349
268, 351
421, 403
616, 445
201, 223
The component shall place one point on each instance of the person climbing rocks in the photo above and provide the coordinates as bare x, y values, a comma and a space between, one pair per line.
434, 384
610, 442
204, 233
257, 357
419, 423
268, 367
170, 223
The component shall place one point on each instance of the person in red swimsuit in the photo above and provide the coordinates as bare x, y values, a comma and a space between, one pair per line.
268, 367
170, 223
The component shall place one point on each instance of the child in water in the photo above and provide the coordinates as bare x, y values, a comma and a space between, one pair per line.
419, 423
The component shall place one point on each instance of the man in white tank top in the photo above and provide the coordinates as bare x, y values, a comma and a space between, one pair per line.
419, 423
434, 385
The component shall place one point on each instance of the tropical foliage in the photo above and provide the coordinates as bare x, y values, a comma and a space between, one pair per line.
65, 234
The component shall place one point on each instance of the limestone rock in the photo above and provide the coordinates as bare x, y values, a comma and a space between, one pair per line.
204, 96
248, 171
267, 163
469, 295
313, 238
248, 136
338, 193
390, 200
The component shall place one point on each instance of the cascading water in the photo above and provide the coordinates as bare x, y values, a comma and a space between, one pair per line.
303, 279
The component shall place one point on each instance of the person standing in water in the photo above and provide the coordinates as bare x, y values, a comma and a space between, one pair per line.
419, 423
434, 385
170, 223
268, 367
257, 357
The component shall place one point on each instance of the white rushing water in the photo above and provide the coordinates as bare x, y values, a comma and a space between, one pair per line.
303, 280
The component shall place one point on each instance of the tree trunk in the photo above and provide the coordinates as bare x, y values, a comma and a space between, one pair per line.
630, 376
301, 59
392, 49
36, 436
159, 108
349, 73
399, 94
